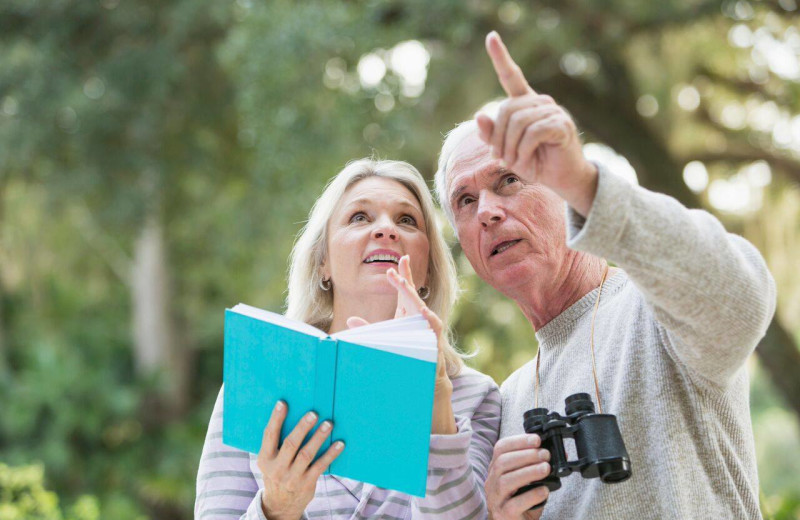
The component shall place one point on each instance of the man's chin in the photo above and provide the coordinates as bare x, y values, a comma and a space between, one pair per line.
505, 278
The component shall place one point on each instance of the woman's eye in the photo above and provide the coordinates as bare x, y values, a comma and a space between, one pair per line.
408, 219
511, 179
358, 217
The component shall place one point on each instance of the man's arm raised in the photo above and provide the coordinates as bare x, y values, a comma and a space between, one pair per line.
710, 290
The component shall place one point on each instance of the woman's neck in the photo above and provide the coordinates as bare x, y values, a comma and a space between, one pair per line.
371, 307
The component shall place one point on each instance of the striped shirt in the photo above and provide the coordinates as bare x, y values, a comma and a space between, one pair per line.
229, 483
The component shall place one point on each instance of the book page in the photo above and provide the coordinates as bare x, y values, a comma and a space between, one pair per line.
425, 353
410, 337
399, 338
278, 319
409, 323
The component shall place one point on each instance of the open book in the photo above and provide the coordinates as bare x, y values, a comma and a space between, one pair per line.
375, 383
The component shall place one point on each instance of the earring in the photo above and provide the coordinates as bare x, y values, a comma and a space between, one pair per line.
424, 292
325, 285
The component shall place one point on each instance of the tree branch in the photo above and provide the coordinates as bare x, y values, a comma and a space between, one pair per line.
791, 167
743, 86
742, 151
687, 16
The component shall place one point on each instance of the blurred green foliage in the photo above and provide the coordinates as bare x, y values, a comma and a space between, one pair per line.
218, 123
24, 497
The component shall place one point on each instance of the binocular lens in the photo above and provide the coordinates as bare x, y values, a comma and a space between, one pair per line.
579, 403
614, 471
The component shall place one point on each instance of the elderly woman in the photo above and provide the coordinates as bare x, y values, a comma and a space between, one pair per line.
370, 251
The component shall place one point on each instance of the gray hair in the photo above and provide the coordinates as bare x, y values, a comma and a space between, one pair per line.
307, 302
452, 139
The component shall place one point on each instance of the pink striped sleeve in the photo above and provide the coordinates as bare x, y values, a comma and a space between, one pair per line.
458, 464
226, 487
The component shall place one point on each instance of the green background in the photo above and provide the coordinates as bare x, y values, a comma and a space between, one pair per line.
158, 158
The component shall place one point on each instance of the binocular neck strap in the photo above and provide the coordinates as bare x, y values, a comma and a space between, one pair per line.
591, 344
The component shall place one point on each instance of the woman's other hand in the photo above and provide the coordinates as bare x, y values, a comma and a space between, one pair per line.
409, 303
290, 473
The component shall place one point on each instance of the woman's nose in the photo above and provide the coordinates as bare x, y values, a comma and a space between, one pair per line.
385, 230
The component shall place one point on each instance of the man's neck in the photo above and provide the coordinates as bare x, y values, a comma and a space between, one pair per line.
577, 277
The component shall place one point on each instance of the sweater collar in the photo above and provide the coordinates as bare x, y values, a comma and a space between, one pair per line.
557, 330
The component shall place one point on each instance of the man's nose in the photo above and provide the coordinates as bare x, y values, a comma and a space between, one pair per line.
489, 209
385, 228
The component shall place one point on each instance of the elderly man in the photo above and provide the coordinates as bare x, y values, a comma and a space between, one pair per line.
675, 324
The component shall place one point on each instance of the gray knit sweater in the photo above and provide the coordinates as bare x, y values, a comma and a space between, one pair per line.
675, 326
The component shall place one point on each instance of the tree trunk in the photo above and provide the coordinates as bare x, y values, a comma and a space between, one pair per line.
3, 346
155, 351
780, 357
4, 369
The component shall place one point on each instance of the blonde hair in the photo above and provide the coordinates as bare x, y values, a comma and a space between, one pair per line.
308, 302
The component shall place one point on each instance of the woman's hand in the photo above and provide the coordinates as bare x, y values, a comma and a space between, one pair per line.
409, 303
290, 473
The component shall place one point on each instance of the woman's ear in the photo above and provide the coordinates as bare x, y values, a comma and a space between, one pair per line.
324, 271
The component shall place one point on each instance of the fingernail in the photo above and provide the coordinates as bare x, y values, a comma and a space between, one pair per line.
544, 466
279, 406
325, 426
533, 440
544, 454
503, 163
339, 445
311, 417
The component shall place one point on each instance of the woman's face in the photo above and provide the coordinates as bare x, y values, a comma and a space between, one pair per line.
377, 221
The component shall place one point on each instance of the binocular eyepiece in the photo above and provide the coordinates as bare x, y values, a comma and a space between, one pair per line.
598, 442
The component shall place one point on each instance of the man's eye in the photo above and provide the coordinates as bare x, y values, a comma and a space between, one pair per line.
358, 217
408, 219
511, 179
463, 201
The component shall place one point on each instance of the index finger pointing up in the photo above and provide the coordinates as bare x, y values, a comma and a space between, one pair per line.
508, 72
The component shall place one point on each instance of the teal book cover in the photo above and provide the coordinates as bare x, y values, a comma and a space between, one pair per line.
375, 383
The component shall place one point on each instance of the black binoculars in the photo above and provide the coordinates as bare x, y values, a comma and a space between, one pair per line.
598, 442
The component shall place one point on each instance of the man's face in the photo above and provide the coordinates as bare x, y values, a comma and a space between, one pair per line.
512, 232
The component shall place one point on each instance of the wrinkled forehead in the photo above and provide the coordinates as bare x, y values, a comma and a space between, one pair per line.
470, 157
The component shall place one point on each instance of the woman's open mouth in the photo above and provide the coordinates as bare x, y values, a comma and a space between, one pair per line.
382, 259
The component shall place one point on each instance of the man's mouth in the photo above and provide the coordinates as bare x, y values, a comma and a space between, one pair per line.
503, 246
